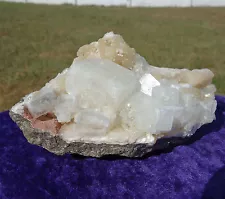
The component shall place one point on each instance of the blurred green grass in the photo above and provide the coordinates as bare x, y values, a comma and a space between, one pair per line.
39, 41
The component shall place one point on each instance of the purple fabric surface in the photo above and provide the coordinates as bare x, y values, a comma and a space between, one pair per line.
193, 170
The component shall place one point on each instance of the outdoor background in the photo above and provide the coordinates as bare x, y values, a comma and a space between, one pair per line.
39, 41
132, 2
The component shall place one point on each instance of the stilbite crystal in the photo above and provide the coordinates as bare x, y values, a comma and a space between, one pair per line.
111, 95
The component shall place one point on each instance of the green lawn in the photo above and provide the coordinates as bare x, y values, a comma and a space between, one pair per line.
38, 41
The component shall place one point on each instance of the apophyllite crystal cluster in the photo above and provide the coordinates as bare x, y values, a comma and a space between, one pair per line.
112, 101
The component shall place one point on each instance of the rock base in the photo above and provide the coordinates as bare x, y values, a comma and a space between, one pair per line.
58, 146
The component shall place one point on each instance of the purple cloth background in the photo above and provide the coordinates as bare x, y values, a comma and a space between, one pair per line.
193, 170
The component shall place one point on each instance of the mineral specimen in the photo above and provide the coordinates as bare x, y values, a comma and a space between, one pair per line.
111, 101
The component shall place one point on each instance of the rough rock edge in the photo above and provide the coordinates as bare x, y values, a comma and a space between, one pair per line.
58, 146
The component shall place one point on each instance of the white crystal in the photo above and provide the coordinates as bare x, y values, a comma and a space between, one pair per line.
165, 120
65, 108
92, 118
148, 82
110, 83
141, 66
111, 94
118, 135
140, 113
41, 102
109, 35
58, 83
70, 132
166, 94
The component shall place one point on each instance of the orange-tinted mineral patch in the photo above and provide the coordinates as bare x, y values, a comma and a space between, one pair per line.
46, 122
